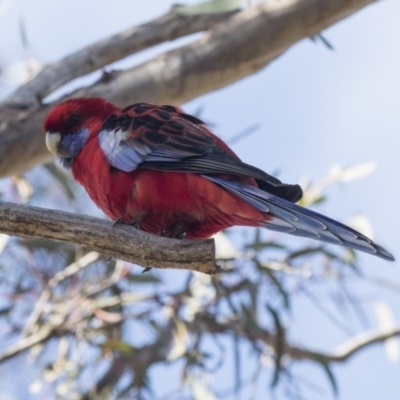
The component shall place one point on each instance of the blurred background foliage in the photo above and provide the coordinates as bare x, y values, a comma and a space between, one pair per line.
100, 329
77, 325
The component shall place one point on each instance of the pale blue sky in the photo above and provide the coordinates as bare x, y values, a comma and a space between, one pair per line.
315, 108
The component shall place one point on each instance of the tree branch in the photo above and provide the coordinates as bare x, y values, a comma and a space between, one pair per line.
67, 272
122, 241
341, 354
233, 49
348, 349
168, 27
28, 342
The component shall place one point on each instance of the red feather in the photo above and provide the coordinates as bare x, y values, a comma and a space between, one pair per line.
167, 173
164, 198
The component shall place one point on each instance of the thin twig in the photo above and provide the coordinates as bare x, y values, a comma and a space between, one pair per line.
45, 296
168, 27
26, 343
347, 349
122, 241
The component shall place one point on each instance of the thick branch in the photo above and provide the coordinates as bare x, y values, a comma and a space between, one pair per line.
91, 58
122, 241
233, 49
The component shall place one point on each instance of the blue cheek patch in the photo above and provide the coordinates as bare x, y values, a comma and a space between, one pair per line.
73, 143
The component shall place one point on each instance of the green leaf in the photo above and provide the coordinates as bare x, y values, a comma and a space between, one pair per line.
304, 252
253, 293
279, 287
347, 258
318, 200
258, 246
210, 7
279, 345
247, 315
143, 278
117, 345
331, 377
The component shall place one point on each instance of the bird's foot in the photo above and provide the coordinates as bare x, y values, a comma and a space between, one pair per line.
136, 220
118, 222
178, 230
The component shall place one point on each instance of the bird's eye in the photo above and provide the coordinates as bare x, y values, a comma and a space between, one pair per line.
74, 120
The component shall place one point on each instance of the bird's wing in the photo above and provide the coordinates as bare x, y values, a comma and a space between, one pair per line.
290, 218
165, 138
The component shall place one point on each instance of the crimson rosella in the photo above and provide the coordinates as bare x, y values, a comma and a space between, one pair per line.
165, 172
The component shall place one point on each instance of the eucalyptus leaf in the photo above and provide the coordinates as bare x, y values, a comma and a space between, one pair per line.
210, 7
279, 345
277, 283
331, 377
141, 278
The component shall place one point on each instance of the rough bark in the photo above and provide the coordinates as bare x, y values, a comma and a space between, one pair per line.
233, 49
168, 27
121, 241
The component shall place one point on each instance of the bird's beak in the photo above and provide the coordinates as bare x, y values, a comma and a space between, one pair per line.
53, 141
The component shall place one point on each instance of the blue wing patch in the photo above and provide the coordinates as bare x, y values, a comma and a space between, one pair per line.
293, 219
122, 151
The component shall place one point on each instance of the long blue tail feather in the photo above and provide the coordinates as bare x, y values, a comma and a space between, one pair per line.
290, 218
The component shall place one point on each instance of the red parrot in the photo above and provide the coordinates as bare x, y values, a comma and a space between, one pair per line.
165, 172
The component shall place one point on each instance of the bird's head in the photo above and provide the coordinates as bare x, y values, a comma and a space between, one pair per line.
70, 125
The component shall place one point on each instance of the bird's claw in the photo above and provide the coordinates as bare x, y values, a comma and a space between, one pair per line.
136, 220
118, 222
178, 230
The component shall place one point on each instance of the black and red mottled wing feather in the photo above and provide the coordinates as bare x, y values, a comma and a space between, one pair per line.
144, 136
216, 191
